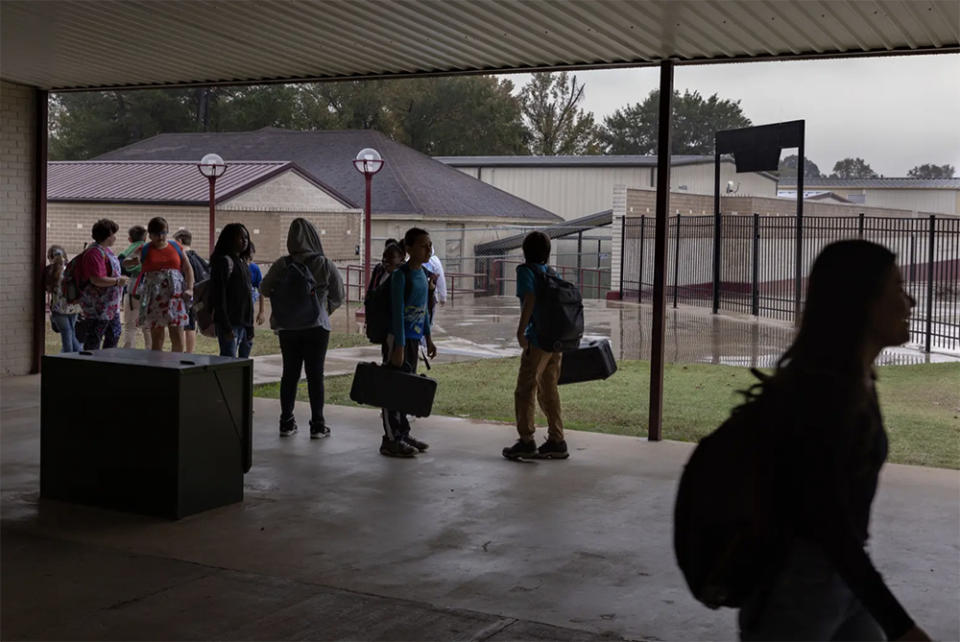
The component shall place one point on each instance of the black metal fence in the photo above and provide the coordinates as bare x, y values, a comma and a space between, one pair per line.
758, 263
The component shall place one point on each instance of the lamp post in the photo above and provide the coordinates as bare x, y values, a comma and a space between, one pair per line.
368, 163
213, 167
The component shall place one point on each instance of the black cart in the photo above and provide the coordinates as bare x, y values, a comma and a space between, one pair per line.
158, 433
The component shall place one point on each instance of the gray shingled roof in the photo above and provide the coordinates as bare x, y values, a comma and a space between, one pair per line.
557, 230
409, 183
890, 183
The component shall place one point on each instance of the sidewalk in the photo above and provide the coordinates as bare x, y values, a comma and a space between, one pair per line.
334, 541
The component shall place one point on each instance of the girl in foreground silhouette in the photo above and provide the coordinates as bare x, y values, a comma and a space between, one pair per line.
827, 587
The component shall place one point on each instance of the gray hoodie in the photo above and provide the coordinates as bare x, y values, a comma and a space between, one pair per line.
303, 244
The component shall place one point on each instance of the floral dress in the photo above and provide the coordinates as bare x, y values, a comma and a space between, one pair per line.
102, 304
161, 288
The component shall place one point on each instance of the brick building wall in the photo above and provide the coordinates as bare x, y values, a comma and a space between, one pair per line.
69, 224
17, 219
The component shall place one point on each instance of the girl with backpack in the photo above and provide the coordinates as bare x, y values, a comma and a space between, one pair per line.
63, 315
231, 298
99, 278
165, 286
201, 272
823, 585
304, 287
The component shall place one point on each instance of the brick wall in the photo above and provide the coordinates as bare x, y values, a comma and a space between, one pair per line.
69, 224
17, 219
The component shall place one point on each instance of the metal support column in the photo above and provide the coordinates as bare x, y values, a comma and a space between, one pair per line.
655, 423
40, 227
798, 280
755, 290
643, 225
931, 257
716, 226
676, 263
623, 239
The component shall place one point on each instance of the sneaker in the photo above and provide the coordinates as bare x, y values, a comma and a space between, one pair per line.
416, 443
288, 429
551, 449
396, 448
521, 449
319, 432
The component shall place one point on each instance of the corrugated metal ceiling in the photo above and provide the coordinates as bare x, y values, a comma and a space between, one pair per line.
57, 44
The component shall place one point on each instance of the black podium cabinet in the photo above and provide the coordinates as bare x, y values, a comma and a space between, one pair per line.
159, 433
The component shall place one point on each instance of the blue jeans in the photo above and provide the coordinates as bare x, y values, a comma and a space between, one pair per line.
65, 324
238, 346
807, 601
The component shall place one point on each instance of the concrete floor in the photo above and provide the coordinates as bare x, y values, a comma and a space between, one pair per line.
334, 541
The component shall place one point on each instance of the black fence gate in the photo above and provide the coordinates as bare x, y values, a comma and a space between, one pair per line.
757, 264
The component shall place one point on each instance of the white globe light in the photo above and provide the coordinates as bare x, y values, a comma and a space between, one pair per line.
368, 161
212, 165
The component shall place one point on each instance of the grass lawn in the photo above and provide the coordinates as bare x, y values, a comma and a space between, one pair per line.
265, 341
921, 404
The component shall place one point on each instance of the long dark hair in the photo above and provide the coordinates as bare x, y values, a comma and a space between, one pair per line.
846, 279
226, 242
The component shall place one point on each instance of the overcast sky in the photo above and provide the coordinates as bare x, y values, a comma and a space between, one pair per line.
894, 112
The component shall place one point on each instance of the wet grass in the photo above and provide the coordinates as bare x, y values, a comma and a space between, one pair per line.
921, 403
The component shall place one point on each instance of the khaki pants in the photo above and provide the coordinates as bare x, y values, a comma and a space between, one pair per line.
537, 382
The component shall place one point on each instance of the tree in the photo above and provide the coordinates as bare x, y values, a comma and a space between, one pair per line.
932, 171
788, 167
458, 115
557, 125
696, 120
852, 168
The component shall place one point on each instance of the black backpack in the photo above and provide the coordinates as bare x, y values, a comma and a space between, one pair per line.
559, 322
201, 269
728, 535
376, 307
294, 302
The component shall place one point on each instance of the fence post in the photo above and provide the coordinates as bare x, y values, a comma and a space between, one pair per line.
643, 225
755, 294
623, 238
860, 226
930, 260
717, 253
676, 263
348, 284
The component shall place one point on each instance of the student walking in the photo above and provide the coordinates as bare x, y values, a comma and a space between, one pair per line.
305, 288
410, 322
230, 293
63, 315
98, 274
136, 237
201, 272
539, 368
824, 585
165, 285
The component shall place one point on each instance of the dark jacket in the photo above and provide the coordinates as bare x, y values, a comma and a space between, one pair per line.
231, 294
831, 474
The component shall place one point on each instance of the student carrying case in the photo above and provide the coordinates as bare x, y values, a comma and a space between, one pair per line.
587, 363
393, 388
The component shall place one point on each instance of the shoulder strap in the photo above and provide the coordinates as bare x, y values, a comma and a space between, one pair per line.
177, 247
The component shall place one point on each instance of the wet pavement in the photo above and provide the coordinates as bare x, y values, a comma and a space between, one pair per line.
477, 328
335, 542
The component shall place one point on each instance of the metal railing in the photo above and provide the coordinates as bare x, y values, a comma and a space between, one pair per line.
503, 276
355, 288
757, 267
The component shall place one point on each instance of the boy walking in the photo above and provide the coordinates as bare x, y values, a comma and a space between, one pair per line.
410, 322
539, 368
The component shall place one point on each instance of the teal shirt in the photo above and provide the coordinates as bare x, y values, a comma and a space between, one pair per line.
410, 318
527, 284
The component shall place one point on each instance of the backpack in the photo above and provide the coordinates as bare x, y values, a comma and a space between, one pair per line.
201, 268
728, 536
377, 308
559, 319
294, 301
203, 305
71, 288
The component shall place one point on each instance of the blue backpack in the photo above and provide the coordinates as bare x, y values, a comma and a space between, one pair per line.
294, 301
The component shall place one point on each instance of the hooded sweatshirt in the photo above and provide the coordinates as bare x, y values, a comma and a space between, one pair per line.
303, 245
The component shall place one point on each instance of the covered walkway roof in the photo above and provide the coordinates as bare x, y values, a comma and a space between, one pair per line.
77, 44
